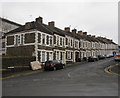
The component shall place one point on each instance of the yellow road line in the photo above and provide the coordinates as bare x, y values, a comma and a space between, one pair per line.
108, 70
23, 74
4, 69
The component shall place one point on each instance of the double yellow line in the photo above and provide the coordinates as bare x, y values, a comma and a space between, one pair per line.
108, 70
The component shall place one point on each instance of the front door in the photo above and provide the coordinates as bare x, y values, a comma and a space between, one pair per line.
76, 56
47, 56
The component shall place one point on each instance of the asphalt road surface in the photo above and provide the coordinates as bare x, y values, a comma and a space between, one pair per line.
88, 79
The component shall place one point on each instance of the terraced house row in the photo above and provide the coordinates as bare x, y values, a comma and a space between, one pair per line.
47, 42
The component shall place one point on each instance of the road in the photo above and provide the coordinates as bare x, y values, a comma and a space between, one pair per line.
88, 79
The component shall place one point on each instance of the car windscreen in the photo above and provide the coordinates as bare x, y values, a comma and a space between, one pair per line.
48, 62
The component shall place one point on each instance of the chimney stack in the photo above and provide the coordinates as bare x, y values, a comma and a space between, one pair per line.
74, 30
89, 35
51, 24
67, 29
28, 25
84, 33
39, 20
80, 32
93, 36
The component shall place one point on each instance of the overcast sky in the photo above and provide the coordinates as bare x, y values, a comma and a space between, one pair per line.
96, 18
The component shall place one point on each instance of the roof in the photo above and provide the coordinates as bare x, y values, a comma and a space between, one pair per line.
9, 21
54, 30
33, 25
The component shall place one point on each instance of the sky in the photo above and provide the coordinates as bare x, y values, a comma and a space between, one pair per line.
96, 18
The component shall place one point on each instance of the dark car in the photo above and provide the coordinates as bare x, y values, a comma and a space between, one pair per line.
101, 57
53, 65
92, 58
109, 56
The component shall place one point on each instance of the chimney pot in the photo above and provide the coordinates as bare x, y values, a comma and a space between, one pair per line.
51, 24
28, 25
67, 29
93, 36
89, 35
84, 33
80, 32
74, 30
39, 20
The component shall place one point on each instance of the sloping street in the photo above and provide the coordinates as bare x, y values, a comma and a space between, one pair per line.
88, 79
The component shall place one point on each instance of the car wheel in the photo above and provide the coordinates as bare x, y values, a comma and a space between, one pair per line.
54, 68
45, 69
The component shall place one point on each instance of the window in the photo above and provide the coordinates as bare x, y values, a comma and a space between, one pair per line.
66, 41
43, 38
47, 54
39, 37
71, 42
54, 39
76, 43
60, 55
50, 40
22, 39
79, 44
43, 56
57, 55
57, 40
50, 56
83, 44
71, 55
61, 41
29, 38
54, 55
68, 55
47, 40
17, 40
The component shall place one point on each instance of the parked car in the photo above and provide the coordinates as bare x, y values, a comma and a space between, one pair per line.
92, 58
53, 65
101, 57
108, 55
117, 57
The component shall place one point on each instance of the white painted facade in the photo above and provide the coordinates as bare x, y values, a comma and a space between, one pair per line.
73, 47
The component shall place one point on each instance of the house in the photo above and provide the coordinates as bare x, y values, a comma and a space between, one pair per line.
71, 45
47, 42
6, 26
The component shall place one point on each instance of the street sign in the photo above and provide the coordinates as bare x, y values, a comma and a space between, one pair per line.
114, 52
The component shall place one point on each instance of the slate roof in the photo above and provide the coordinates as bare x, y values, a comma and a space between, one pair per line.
54, 30
107, 41
11, 22
33, 25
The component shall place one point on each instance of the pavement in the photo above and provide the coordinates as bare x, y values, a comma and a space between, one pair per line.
87, 79
30, 72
